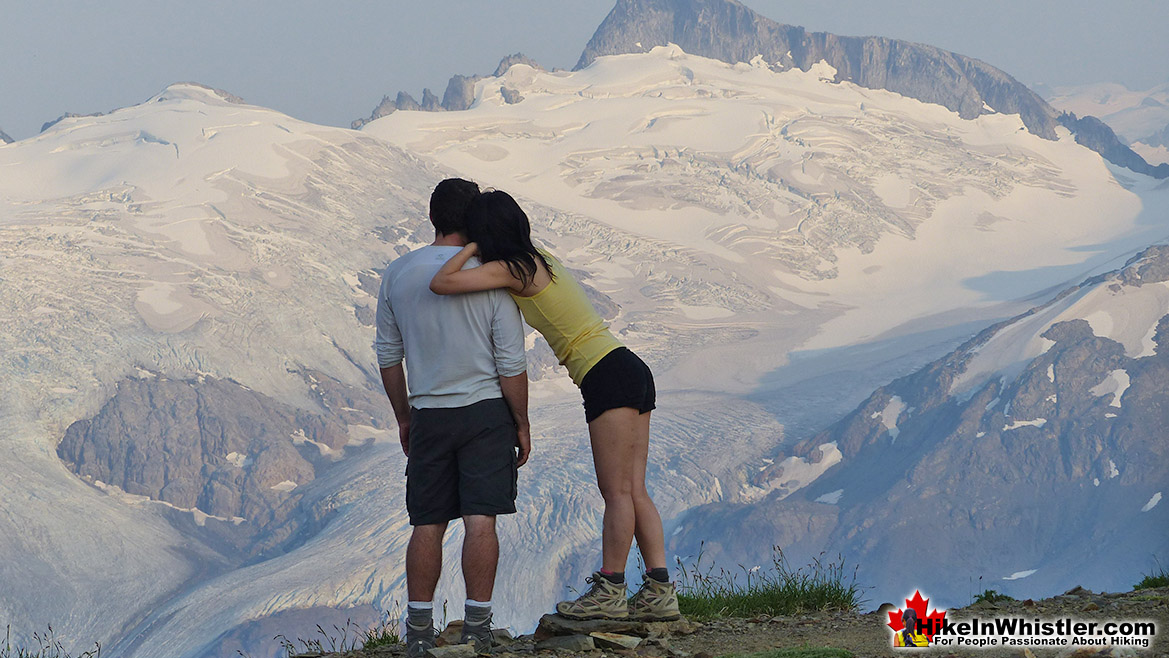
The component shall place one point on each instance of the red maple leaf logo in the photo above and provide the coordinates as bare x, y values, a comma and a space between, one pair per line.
927, 623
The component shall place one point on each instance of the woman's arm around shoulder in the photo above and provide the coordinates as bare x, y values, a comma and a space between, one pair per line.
452, 279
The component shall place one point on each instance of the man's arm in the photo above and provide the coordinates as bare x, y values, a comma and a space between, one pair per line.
515, 393
394, 381
507, 339
389, 357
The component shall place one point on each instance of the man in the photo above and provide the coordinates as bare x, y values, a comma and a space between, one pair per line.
464, 422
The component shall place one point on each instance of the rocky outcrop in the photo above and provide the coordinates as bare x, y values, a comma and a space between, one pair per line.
510, 96
729, 31
1096, 135
208, 448
4, 138
459, 94
511, 60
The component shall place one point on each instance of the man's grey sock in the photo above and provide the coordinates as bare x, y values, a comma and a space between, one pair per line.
477, 613
418, 617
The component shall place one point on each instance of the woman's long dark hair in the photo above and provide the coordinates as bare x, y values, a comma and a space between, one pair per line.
501, 229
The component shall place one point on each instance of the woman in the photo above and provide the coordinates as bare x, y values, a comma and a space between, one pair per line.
617, 388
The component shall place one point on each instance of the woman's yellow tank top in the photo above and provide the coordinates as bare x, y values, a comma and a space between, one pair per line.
562, 313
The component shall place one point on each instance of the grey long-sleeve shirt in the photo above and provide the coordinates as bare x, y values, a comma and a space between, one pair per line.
456, 346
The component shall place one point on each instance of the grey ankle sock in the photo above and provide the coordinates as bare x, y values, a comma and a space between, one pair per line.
476, 615
660, 574
419, 619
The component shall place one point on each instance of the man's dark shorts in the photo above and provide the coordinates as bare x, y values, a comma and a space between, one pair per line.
462, 462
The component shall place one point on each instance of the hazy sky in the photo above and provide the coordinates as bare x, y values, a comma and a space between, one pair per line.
331, 62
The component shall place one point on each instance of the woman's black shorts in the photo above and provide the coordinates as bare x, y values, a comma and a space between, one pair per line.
620, 379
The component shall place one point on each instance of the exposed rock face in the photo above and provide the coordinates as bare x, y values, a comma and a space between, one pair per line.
208, 445
510, 96
1096, 135
405, 101
511, 60
4, 138
731, 32
459, 94
430, 102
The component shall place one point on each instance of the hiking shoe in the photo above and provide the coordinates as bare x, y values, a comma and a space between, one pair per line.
604, 600
418, 642
479, 635
654, 601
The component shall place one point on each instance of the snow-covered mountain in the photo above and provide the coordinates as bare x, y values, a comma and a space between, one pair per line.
796, 195
1031, 457
778, 245
1133, 114
1140, 118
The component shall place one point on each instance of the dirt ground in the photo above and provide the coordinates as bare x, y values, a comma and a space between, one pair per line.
867, 635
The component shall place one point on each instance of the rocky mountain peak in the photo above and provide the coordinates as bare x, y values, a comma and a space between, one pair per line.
4, 138
459, 94
730, 31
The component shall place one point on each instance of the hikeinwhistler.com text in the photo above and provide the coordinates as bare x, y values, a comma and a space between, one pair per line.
1023, 632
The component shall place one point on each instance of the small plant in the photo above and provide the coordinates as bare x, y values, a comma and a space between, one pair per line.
47, 646
349, 637
991, 596
385, 633
1158, 578
776, 590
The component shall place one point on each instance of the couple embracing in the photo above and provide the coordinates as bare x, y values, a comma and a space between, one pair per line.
451, 311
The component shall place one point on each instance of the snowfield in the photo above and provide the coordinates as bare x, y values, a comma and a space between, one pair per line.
778, 246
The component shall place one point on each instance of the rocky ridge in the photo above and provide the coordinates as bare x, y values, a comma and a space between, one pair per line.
731, 32
459, 94
1098, 136
4, 138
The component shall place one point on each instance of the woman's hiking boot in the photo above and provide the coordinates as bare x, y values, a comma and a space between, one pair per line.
654, 601
604, 600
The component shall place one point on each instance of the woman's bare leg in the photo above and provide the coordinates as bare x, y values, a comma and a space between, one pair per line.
648, 530
620, 442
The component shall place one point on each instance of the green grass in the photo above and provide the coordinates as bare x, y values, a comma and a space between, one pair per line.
773, 590
991, 596
47, 646
805, 652
349, 637
1159, 578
